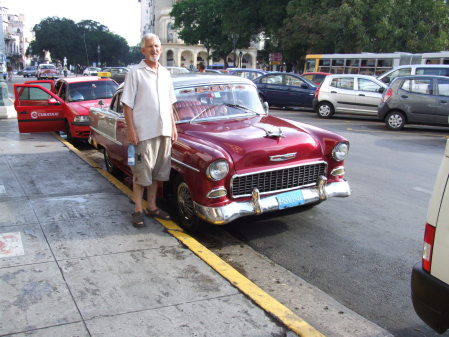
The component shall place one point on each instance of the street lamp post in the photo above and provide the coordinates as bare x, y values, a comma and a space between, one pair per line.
98, 50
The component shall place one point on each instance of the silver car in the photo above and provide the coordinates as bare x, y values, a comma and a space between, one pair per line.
348, 93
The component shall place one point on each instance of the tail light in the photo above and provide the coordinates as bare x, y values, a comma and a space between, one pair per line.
387, 95
317, 92
429, 236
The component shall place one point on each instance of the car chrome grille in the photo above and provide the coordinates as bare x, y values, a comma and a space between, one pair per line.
277, 180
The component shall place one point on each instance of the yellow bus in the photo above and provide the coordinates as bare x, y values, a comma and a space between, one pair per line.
369, 63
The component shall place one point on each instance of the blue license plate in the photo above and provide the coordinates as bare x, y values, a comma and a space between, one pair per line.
290, 199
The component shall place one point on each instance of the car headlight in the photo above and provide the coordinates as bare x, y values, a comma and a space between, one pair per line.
81, 119
340, 151
217, 170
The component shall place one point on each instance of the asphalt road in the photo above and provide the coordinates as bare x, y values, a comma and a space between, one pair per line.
361, 249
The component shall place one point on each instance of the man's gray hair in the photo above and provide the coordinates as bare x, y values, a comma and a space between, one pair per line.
148, 36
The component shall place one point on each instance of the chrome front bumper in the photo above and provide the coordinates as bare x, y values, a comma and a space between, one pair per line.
257, 205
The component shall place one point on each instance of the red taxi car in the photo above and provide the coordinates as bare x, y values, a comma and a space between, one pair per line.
232, 158
63, 106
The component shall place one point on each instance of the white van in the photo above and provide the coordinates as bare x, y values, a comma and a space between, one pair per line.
415, 69
430, 277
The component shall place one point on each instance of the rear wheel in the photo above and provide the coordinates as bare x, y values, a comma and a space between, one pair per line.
184, 206
325, 110
68, 133
108, 163
395, 120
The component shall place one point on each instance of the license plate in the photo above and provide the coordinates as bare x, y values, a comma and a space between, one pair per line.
290, 199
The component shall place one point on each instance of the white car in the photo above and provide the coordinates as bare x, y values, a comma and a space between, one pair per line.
348, 93
91, 71
430, 277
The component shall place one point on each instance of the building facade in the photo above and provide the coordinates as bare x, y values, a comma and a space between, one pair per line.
155, 18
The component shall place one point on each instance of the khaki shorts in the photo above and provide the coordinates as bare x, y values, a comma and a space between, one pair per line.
153, 161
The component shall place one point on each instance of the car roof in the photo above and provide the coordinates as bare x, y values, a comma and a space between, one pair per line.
84, 79
198, 79
316, 73
422, 77
422, 65
246, 69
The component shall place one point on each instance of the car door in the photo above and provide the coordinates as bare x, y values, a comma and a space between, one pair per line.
442, 100
368, 95
298, 92
342, 94
418, 101
38, 109
273, 89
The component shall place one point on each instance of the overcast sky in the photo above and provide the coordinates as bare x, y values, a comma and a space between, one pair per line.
122, 17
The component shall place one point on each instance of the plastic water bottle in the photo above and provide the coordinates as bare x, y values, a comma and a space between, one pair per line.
131, 155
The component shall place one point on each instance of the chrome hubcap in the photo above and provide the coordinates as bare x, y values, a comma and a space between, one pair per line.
395, 121
185, 202
324, 110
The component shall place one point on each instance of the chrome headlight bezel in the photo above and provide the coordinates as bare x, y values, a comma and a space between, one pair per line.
217, 170
340, 151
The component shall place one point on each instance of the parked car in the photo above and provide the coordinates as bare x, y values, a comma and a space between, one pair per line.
415, 69
91, 71
347, 93
248, 73
65, 108
118, 74
47, 71
316, 78
231, 158
29, 71
430, 277
285, 89
415, 100
177, 70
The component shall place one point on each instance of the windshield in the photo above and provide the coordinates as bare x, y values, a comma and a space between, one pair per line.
93, 90
217, 101
48, 66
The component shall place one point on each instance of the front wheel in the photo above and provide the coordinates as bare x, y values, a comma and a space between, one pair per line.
184, 206
108, 163
395, 120
325, 110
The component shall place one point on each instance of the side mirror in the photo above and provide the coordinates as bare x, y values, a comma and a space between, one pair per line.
265, 107
53, 101
381, 90
101, 103
304, 86
386, 80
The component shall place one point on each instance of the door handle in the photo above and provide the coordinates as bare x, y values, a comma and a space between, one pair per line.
443, 102
404, 96
333, 92
361, 94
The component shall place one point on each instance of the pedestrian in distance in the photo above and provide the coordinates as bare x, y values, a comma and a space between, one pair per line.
148, 98
201, 67
9, 70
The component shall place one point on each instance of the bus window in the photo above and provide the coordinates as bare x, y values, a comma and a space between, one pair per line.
310, 66
324, 66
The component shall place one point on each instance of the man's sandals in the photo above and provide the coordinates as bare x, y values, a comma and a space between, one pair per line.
157, 213
138, 219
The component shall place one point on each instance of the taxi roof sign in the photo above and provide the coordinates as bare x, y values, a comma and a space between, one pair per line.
104, 74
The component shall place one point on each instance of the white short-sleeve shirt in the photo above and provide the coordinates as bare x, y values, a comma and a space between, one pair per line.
150, 94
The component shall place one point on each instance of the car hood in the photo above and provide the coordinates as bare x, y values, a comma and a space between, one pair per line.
259, 141
82, 107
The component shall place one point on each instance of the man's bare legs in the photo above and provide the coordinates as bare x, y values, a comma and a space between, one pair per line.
151, 195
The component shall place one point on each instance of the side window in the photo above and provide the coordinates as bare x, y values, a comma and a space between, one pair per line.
116, 105
400, 72
442, 87
293, 81
420, 86
33, 96
367, 85
275, 79
343, 83
433, 71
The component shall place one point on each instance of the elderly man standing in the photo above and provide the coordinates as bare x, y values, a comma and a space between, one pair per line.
148, 98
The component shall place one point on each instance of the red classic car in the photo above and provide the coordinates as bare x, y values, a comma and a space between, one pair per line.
47, 71
232, 158
62, 106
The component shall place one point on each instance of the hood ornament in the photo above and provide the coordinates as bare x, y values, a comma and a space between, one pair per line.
274, 133
283, 157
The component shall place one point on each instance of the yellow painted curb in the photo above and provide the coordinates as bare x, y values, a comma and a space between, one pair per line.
258, 295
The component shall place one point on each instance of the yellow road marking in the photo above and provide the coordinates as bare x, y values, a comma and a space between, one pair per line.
246, 286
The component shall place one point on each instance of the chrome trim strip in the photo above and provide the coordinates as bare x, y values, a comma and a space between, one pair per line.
283, 157
185, 165
234, 210
115, 141
215, 190
340, 169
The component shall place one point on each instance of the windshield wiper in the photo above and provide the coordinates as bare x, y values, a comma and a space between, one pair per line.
241, 107
202, 111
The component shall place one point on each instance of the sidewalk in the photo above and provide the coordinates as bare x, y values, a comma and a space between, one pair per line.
72, 265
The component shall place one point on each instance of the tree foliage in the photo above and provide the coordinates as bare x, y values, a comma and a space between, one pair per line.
79, 42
